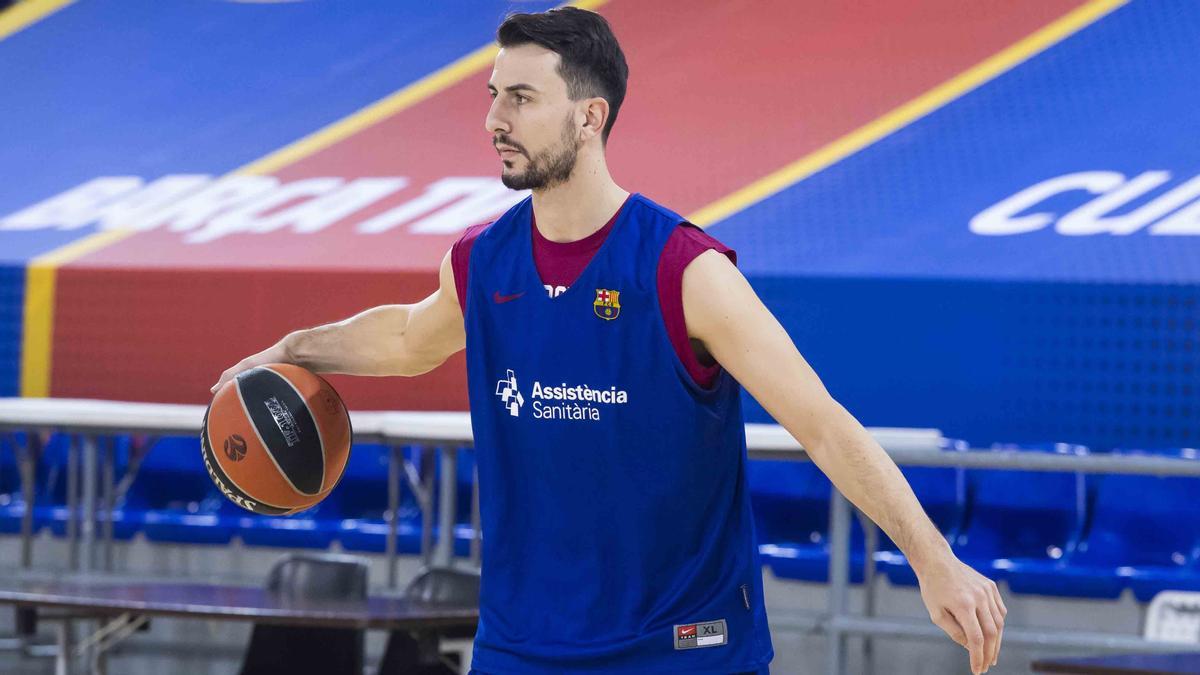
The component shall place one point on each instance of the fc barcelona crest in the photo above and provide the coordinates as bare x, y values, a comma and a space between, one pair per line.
608, 304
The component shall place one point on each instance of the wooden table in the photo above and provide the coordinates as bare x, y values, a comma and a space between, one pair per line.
1124, 664
125, 605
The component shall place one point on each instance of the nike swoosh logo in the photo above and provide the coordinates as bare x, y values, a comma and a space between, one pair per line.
501, 299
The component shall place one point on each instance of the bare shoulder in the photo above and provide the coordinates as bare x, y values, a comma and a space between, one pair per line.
715, 295
707, 269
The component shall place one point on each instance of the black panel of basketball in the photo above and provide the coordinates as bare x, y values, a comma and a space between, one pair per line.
286, 427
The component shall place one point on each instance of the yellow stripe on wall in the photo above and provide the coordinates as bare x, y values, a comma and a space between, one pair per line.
28, 12
38, 330
907, 113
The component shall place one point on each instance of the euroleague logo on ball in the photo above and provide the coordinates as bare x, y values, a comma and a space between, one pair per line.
331, 404
235, 447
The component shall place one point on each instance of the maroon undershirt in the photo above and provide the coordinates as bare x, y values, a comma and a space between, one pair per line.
560, 263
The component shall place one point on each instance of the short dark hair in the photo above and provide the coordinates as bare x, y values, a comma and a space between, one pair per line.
592, 63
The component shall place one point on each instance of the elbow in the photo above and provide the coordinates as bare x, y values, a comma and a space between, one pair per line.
410, 364
827, 427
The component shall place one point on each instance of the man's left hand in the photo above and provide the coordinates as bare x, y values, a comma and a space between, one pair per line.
967, 605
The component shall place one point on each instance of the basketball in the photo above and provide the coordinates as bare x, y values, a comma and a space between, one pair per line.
275, 439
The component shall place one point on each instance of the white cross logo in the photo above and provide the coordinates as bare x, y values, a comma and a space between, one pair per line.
506, 389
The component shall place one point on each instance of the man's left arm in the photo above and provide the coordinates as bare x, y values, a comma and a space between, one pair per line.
725, 314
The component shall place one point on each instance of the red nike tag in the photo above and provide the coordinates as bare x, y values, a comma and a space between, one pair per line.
501, 299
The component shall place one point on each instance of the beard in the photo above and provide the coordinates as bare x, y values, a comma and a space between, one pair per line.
548, 168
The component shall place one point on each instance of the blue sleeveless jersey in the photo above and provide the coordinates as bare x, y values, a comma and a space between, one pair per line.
617, 534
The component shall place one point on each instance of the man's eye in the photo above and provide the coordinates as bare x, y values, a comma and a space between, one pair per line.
521, 99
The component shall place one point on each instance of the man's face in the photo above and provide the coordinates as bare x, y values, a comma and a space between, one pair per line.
532, 120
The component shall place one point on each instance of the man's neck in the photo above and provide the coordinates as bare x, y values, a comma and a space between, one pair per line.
582, 205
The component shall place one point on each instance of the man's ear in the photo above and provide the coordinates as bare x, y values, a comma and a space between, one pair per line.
595, 114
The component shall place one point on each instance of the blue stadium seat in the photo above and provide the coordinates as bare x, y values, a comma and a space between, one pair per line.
315, 528
1141, 536
363, 500
365, 528
1029, 523
182, 504
49, 487
11, 501
1169, 558
320, 525
1021, 522
127, 511
790, 501
10, 478
50, 494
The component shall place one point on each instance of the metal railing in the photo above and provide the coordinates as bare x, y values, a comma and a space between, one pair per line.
450, 431
839, 623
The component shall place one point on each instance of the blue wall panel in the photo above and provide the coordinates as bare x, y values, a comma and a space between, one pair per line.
911, 319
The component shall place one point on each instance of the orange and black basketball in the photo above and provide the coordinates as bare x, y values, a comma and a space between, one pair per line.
275, 439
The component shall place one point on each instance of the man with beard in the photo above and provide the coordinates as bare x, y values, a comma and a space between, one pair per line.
618, 533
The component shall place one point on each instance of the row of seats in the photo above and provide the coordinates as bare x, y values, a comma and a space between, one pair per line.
1046, 533
1059, 534
173, 500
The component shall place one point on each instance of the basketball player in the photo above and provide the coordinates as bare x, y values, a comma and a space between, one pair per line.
607, 340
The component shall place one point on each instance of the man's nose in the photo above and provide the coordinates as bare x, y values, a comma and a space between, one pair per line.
494, 121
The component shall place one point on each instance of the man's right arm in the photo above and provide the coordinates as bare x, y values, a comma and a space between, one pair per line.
384, 340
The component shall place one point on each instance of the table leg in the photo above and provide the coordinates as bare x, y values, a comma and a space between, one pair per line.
62, 660
107, 499
839, 579
106, 637
420, 480
73, 501
465, 668
393, 512
871, 536
476, 521
27, 458
88, 516
99, 662
443, 555
428, 457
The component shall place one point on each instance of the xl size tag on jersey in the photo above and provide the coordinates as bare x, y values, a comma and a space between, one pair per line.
703, 634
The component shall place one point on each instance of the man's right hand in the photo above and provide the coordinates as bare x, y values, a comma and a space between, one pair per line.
277, 353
